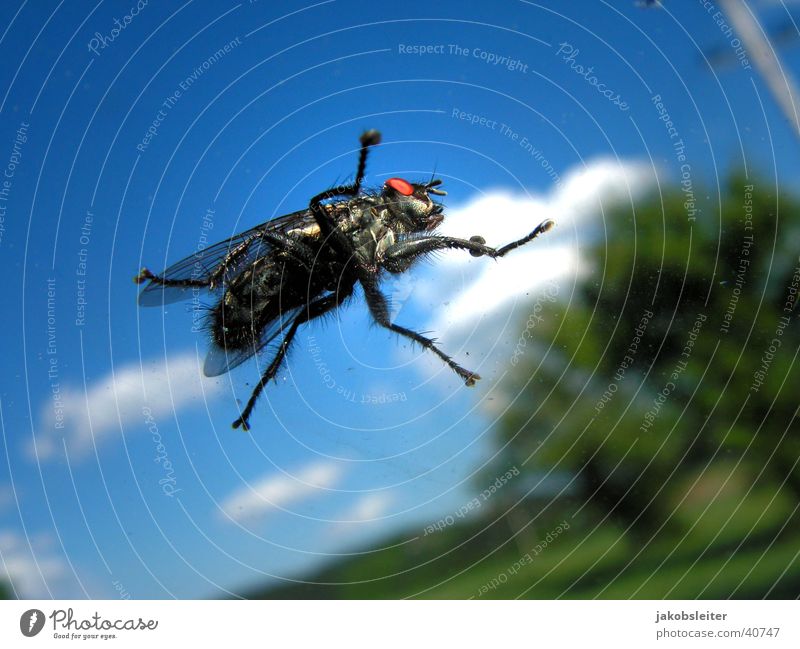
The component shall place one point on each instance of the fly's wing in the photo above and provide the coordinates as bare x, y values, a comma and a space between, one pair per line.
220, 360
196, 271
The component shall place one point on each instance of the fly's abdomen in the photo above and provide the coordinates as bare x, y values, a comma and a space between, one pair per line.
252, 301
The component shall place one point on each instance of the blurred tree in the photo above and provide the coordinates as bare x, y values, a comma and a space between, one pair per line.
679, 353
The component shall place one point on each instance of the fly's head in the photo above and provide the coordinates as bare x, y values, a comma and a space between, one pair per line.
410, 207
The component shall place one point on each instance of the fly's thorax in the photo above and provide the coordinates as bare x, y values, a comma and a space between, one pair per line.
370, 233
354, 214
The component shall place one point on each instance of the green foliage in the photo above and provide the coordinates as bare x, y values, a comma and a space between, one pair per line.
677, 360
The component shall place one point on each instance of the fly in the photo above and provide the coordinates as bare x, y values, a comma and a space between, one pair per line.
288, 271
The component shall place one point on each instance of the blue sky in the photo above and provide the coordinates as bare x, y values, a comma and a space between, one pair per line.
120, 144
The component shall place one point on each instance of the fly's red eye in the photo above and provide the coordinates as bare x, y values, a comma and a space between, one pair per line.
399, 185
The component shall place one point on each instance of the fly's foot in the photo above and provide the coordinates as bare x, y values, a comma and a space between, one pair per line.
470, 378
370, 138
143, 276
241, 422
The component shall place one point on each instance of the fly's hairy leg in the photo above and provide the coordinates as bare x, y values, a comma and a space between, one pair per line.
299, 253
326, 222
297, 250
234, 255
410, 249
145, 275
379, 310
543, 227
315, 309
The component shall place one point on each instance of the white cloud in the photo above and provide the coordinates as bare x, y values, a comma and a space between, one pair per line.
578, 204
8, 541
582, 195
119, 401
277, 491
365, 513
482, 292
368, 507
33, 571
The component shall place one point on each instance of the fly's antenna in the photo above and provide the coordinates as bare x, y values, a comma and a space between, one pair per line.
433, 182
431, 188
